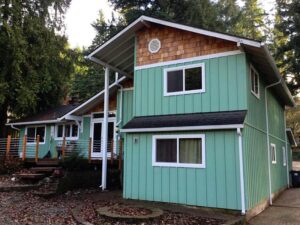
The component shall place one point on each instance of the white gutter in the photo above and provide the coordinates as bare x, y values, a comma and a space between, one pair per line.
105, 129
13, 127
286, 154
268, 138
241, 160
32, 122
209, 127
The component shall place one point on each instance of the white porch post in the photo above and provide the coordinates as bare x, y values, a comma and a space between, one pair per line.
105, 129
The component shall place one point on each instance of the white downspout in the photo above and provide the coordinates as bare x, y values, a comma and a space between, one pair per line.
121, 105
286, 153
242, 184
13, 127
268, 139
105, 129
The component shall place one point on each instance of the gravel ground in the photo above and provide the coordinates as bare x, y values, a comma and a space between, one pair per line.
25, 208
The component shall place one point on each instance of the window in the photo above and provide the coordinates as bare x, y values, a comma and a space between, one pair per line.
179, 151
273, 153
284, 154
33, 132
70, 131
184, 80
254, 82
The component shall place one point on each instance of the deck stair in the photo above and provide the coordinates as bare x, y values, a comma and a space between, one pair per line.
44, 169
47, 162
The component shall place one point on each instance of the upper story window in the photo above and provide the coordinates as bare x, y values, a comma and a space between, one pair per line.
33, 132
70, 131
179, 151
184, 80
254, 81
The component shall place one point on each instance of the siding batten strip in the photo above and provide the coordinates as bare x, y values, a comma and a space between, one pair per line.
239, 132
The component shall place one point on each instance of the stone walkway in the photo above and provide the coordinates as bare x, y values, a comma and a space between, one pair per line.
285, 211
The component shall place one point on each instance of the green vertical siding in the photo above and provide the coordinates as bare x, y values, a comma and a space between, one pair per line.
217, 185
255, 145
225, 84
127, 106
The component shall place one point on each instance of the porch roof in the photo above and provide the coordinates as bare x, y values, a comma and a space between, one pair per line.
192, 121
118, 53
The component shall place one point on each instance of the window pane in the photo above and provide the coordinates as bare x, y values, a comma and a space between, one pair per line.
166, 150
67, 130
30, 134
175, 81
190, 151
74, 130
41, 131
60, 130
254, 81
193, 79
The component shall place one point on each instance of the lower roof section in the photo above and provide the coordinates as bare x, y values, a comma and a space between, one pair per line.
192, 121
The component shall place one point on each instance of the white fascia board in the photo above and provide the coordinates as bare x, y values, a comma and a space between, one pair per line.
72, 117
192, 59
209, 127
204, 32
91, 99
32, 122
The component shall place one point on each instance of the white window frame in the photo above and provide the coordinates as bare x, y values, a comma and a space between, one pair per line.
273, 146
183, 68
177, 164
35, 127
64, 128
284, 156
257, 95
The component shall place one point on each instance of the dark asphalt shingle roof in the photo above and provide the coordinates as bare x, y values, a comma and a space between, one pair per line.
187, 120
51, 114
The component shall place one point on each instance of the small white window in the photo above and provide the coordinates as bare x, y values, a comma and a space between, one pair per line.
284, 156
33, 132
179, 151
70, 131
273, 153
254, 81
184, 80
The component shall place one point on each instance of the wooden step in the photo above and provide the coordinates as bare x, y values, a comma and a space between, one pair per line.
47, 163
44, 169
30, 176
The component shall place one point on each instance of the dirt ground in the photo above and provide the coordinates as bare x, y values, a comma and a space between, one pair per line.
25, 208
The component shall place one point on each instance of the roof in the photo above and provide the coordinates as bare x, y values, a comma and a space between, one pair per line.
118, 53
94, 101
192, 121
49, 116
291, 137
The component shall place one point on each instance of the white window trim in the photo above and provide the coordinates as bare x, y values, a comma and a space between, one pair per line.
273, 161
177, 164
284, 155
71, 128
166, 70
34, 143
257, 95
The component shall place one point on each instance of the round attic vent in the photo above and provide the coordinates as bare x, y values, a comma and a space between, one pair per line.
154, 45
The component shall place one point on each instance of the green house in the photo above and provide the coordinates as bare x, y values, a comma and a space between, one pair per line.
207, 123
201, 116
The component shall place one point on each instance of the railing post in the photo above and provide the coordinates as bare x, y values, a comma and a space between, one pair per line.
24, 147
37, 148
63, 148
8, 144
90, 150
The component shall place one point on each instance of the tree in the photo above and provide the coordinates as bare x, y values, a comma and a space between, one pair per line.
34, 59
287, 51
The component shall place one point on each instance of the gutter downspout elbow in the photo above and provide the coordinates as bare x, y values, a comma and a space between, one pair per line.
268, 138
13, 127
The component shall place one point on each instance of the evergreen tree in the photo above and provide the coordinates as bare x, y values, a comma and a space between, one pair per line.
34, 60
287, 41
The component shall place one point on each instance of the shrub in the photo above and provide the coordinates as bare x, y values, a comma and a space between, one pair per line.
75, 162
10, 165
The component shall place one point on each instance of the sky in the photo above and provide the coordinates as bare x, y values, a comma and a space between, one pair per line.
82, 13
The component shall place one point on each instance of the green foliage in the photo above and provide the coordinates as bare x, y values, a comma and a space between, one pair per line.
75, 162
287, 39
35, 62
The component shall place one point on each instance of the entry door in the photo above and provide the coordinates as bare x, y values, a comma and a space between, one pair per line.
97, 138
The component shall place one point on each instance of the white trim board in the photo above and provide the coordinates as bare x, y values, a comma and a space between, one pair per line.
197, 58
33, 122
210, 127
